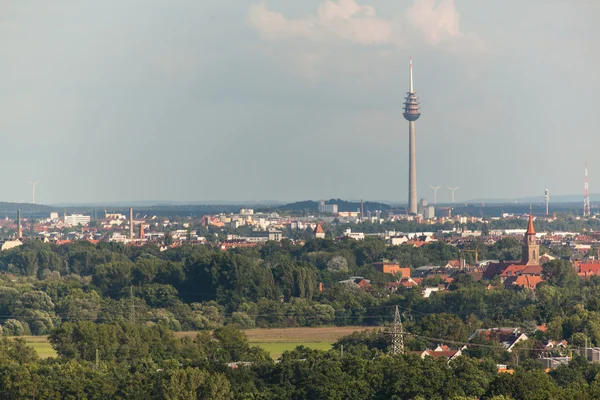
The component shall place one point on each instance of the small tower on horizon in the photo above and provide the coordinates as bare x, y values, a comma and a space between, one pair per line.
412, 112
319, 232
531, 250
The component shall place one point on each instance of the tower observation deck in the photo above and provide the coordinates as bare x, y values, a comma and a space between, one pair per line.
412, 112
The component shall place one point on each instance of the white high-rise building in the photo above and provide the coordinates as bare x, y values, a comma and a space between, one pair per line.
77, 219
328, 208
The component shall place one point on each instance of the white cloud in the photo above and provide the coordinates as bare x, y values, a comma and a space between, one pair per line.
436, 23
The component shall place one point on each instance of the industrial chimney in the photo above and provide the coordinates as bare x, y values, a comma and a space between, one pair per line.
19, 228
130, 223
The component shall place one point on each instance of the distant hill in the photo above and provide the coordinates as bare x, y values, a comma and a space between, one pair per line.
27, 209
564, 198
311, 205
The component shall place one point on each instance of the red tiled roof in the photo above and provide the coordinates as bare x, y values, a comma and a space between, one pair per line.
527, 281
588, 268
364, 284
445, 353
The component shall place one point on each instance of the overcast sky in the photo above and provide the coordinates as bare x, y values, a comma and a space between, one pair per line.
188, 100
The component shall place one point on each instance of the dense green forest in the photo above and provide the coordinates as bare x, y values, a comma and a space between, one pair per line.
111, 310
133, 361
277, 285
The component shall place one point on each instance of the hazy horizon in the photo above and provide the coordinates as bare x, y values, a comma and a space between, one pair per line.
194, 101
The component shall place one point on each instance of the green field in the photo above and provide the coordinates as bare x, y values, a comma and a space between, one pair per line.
41, 345
44, 350
276, 349
275, 341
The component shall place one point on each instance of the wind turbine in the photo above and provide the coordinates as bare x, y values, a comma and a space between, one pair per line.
453, 189
33, 185
435, 188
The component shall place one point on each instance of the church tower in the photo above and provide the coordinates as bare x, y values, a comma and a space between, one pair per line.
531, 250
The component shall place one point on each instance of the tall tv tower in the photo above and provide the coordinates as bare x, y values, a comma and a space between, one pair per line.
586, 195
412, 112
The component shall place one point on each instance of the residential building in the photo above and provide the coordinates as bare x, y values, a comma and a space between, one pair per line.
439, 352
275, 236
357, 281
10, 244
508, 337
390, 267
77, 219
526, 281
328, 208
554, 362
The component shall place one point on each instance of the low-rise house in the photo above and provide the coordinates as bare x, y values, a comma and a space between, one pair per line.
553, 344
526, 281
403, 283
554, 362
453, 264
357, 281
587, 268
390, 267
440, 352
428, 290
508, 337
10, 244
592, 354
397, 240
425, 270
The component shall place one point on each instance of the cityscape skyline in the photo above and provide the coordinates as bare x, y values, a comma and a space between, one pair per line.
316, 109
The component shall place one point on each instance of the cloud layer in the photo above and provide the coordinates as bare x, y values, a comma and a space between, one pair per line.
426, 21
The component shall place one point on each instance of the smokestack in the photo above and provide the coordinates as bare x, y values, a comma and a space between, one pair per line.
130, 223
141, 230
362, 210
19, 228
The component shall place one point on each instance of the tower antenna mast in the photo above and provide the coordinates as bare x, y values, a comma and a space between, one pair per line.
412, 112
586, 194
547, 196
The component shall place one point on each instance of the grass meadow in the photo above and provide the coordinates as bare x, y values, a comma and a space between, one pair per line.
275, 341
